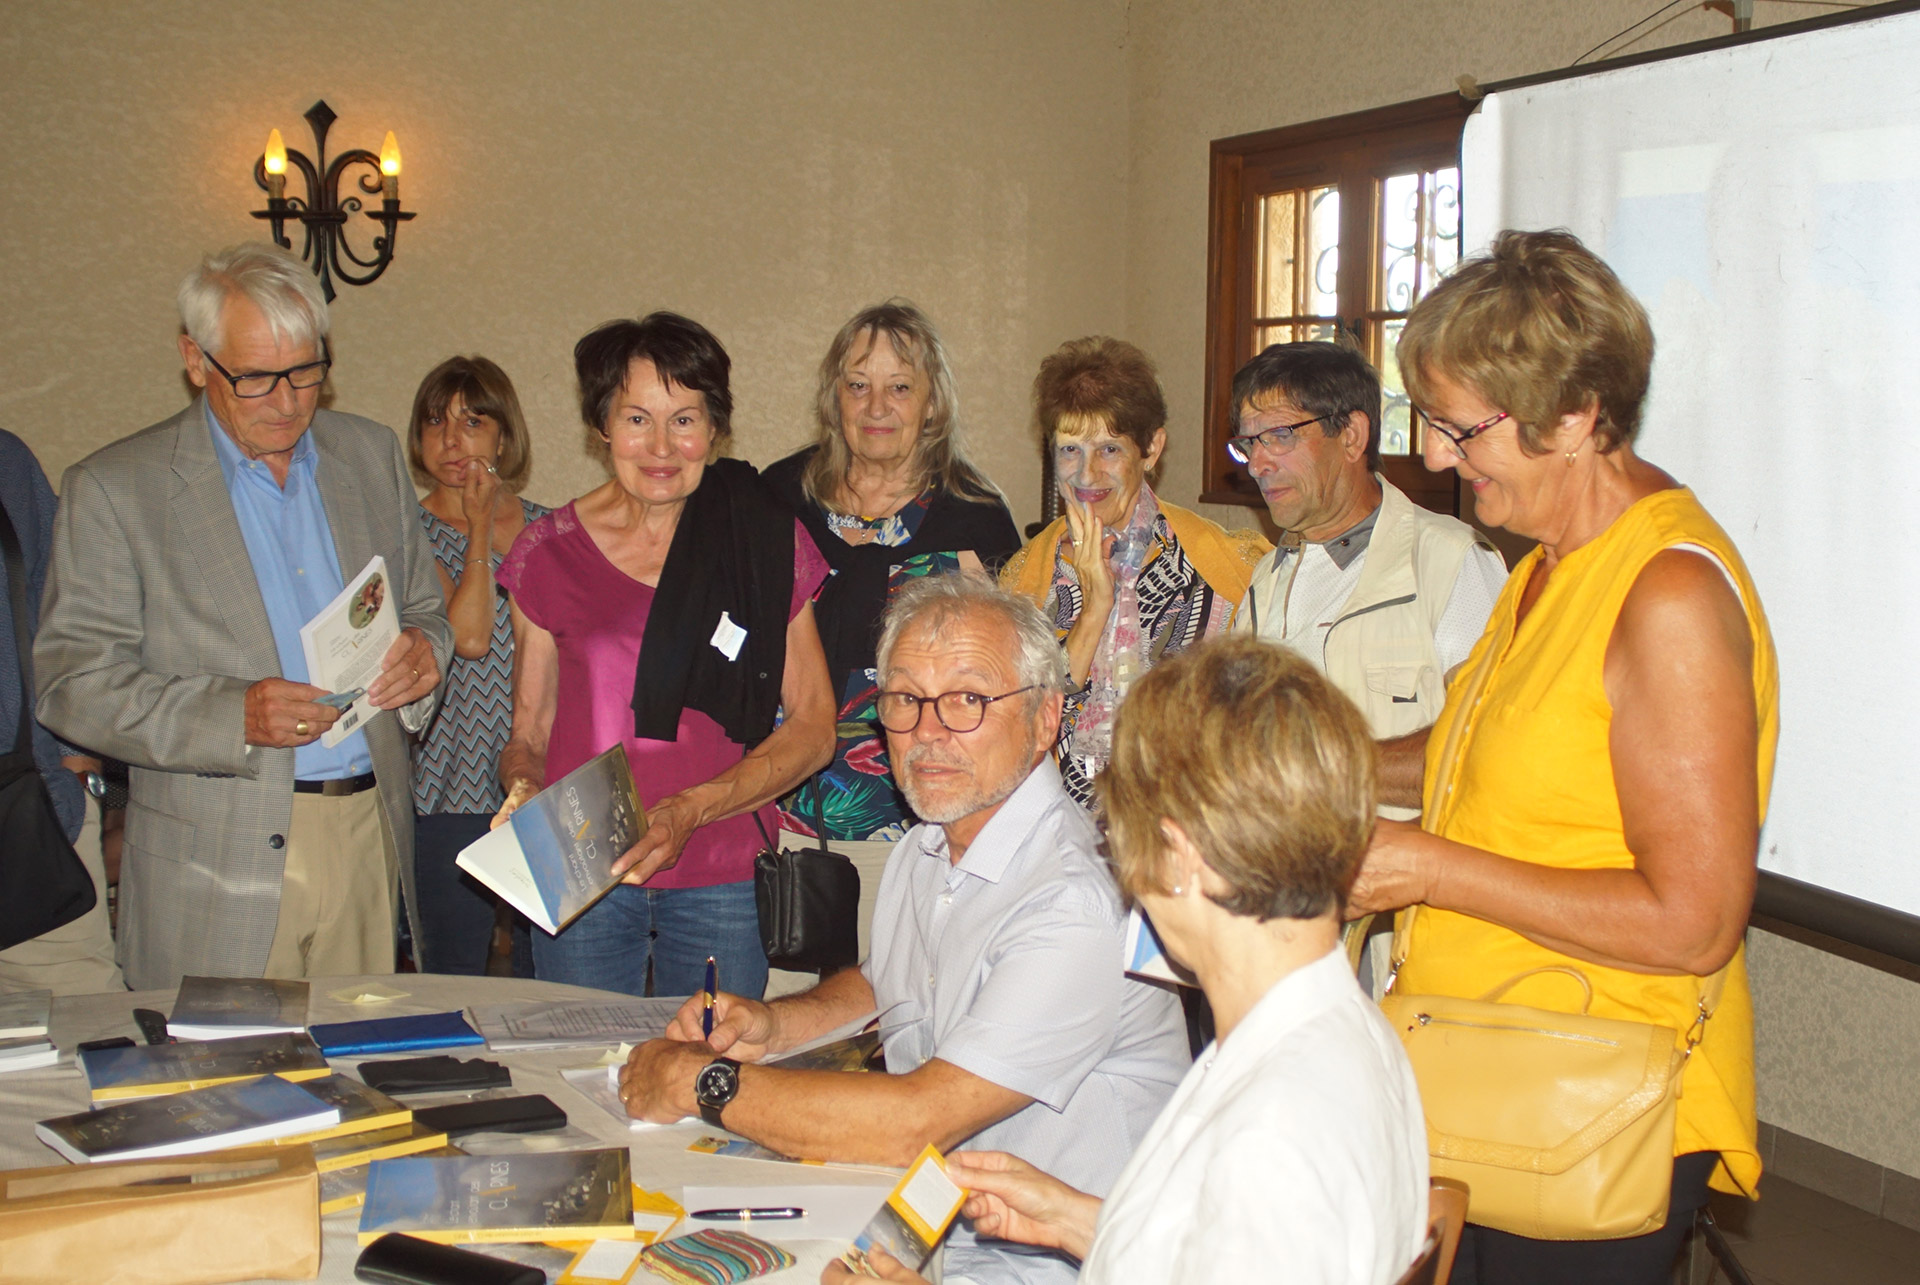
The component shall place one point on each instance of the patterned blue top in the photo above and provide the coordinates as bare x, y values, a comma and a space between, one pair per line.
456, 764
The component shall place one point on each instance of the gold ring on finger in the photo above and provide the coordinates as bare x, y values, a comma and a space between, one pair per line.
301, 728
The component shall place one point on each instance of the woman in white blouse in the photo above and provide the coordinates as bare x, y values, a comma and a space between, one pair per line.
1239, 800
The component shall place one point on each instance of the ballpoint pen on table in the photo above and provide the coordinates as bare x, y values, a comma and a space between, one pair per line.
713, 989
748, 1215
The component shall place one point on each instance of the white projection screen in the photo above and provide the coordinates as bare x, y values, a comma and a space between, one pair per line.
1763, 201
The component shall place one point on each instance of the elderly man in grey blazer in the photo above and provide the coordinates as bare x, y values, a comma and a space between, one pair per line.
186, 558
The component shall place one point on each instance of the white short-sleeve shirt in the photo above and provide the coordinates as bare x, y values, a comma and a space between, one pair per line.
1009, 965
1294, 1152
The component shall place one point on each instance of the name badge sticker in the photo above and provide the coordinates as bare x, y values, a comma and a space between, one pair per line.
727, 637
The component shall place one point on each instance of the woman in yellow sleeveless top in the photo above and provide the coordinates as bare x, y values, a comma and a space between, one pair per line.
1596, 782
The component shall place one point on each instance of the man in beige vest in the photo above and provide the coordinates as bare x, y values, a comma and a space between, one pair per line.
1384, 596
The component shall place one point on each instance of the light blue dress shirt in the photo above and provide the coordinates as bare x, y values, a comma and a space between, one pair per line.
291, 546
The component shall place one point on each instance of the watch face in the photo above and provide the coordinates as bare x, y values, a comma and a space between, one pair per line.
717, 1083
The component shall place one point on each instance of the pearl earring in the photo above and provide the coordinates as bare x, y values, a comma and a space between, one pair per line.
1178, 890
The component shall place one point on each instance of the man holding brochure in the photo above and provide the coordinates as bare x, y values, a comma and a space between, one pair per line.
997, 941
187, 561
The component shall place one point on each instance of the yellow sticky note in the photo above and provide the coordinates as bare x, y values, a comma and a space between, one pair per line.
603, 1262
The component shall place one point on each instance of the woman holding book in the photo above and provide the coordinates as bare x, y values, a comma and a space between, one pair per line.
670, 611
1238, 801
467, 440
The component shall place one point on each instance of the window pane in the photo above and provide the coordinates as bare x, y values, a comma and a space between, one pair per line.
1398, 434
1419, 235
1298, 263
1294, 333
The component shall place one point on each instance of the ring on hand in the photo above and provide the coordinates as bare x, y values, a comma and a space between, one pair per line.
491, 469
301, 728
416, 675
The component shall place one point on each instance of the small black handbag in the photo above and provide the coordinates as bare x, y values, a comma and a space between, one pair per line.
43, 884
809, 904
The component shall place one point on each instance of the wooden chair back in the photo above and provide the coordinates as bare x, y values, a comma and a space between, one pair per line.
1446, 1219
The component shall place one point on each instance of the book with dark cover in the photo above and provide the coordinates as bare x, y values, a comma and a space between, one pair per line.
24, 1014
180, 1124
542, 1195
554, 856
146, 1070
221, 1008
362, 1109
394, 1034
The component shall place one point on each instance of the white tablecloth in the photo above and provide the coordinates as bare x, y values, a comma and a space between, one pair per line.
660, 1159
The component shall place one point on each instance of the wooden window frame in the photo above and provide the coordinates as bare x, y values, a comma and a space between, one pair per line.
1378, 143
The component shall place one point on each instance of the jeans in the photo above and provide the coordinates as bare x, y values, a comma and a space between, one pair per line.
456, 912
673, 929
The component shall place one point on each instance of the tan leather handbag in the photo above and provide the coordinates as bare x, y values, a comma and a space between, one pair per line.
1561, 1124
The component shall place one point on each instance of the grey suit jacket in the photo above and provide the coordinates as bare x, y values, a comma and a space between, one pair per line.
152, 630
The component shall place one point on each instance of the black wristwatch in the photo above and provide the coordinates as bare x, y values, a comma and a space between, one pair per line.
715, 1087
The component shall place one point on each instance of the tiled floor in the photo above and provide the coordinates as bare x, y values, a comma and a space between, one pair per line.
1796, 1236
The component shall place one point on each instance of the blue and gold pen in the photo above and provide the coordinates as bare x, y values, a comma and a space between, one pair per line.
713, 993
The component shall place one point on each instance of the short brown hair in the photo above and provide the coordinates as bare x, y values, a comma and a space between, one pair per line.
684, 353
1265, 766
937, 452
1104, 379
1540, 327
485, 390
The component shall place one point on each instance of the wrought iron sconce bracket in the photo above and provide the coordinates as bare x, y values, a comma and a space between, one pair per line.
323, 213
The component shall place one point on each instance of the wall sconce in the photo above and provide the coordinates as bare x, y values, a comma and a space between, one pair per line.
323, 212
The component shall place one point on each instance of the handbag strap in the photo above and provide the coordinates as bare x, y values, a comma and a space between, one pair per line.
819, 825
22, 638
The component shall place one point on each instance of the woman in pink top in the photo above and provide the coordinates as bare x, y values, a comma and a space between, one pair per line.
691, 689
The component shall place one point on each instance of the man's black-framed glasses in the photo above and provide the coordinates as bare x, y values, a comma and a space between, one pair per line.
259, 383
957, 711
1279, 439
1459, 436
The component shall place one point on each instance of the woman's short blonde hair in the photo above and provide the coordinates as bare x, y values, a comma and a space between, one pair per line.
485, 390
1540, 327
938, 456
1264, 765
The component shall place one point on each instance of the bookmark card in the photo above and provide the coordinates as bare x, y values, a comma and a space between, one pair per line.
603, 1262
914, 1219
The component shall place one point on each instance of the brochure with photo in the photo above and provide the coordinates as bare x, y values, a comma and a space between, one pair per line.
914, 1218
348, 640
554, 856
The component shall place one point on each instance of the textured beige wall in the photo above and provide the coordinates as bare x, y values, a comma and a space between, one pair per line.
1835, 1044
766, 167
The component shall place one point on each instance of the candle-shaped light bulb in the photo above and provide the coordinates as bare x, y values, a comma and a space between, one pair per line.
390, 167
275, 162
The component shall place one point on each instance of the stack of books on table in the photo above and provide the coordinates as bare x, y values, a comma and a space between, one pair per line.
23, 1031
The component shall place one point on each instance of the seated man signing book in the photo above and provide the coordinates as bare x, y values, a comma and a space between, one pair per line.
997, 943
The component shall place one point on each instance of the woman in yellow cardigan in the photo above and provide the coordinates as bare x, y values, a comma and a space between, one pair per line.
1596, 782
1126, 577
